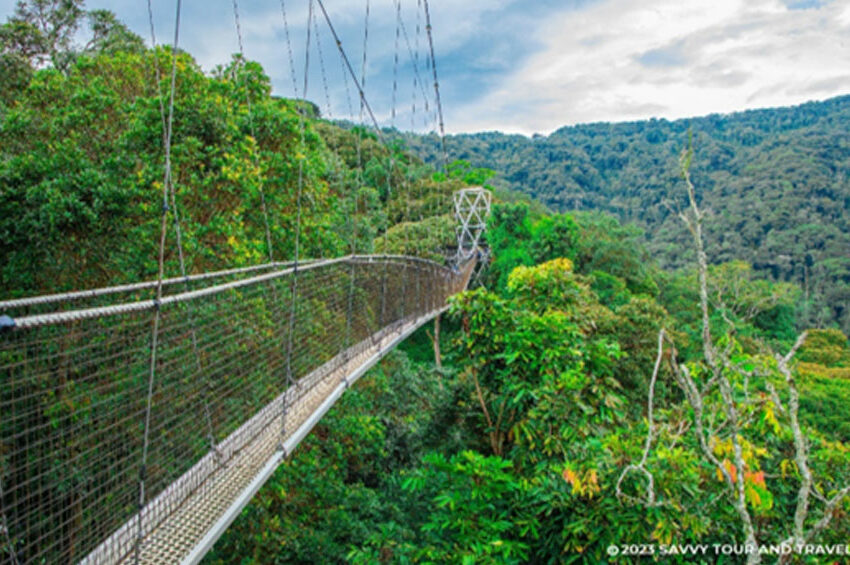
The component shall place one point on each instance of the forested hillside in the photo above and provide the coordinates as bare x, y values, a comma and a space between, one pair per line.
775, 184
81, 165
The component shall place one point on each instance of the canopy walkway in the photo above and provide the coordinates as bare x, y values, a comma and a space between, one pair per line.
100, 463
135, 429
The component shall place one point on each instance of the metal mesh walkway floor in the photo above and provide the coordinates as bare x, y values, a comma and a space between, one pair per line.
215, 490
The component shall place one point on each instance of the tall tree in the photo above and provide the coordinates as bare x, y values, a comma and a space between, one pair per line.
109, 34
42, 31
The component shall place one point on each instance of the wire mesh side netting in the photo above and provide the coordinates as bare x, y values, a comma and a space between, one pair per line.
79, 481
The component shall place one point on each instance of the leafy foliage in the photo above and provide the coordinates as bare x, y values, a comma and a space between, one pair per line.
774, 183
343, 485
82, 162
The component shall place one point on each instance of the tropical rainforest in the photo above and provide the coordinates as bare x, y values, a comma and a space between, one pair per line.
616, 377
774, 183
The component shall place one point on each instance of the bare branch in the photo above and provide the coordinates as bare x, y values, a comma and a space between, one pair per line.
694, 223
712, 414
481, 399
801, 456
828, 513
666, 204
793, 351
736, 484
774, 396
650, 488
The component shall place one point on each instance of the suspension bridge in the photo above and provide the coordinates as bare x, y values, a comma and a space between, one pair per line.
232, 397
137, 421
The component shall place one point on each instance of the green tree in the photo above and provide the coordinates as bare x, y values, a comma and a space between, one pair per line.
475, 504
42, 31
110, 35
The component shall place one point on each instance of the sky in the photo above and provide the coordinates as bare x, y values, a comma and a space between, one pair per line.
527, 66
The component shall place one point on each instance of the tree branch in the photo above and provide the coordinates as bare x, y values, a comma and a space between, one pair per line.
800, 448
650, 488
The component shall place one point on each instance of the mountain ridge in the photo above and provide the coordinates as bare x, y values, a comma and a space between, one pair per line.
775, 183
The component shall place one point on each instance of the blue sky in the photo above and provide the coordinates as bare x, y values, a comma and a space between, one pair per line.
529, 66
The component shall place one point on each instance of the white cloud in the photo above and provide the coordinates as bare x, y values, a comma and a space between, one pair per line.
632, 59
532, 66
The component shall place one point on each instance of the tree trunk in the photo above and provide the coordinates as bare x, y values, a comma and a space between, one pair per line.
436, 340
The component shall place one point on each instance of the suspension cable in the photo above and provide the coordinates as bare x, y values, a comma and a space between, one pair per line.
350, 69
160, 276
365, 51
353, 216
428, 29
157, 71
407, 199
421, 192
178, 232
293, 294
352, 228
244, 65
358, 140
336, 172
390, 167
289, 48
395, 62
359, 84
414, 57
322, 67
425, 116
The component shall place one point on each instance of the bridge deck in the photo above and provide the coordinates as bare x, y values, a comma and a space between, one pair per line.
207, 498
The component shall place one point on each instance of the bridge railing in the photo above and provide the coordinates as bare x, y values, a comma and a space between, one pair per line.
133, 292
91, 441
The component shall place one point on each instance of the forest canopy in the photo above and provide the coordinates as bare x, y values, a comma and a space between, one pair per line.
775, 184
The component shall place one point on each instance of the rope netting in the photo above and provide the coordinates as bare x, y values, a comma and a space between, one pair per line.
75, 393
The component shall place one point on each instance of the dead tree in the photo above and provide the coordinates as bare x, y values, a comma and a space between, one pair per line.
719, 367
